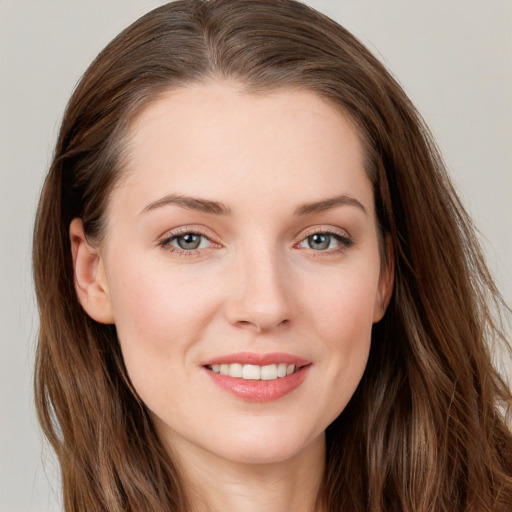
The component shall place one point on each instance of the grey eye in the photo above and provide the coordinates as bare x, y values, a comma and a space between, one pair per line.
319, 241
189, 241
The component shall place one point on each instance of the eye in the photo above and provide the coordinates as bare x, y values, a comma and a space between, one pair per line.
186, 243
326, 241
189, 241
319, 241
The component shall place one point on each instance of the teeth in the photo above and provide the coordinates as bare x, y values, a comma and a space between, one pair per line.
235, 370
251, 372
269, 372
254, 372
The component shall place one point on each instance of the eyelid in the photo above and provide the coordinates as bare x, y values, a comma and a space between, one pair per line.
344, 238
164, 240
321, 228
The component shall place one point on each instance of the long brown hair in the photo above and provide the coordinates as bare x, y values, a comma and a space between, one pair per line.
427, 427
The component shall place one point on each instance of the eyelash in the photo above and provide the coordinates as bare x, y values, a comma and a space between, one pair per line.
166, 242
343, 240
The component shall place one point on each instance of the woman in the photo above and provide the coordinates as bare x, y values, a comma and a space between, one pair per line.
257, 286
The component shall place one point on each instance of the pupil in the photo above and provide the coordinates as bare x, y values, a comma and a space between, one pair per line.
319, 241
189, 241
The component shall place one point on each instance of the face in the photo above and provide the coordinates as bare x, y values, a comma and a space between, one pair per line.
241, 266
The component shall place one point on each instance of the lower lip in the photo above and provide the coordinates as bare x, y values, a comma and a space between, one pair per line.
260, 390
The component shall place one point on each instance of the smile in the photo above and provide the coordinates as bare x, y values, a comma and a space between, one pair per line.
254, 372
258, 377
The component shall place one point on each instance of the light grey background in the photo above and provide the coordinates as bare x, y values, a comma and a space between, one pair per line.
454, 58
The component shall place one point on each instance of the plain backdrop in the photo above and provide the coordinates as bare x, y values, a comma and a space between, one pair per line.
454, 59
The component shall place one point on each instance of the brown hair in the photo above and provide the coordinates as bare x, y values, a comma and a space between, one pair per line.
426, 429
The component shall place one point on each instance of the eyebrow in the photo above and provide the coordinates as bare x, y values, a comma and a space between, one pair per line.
190, 203
329, 204
218, 208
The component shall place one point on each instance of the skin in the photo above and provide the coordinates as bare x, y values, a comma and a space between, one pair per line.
256, 283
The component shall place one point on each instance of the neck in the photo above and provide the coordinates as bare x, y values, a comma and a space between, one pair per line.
216, 485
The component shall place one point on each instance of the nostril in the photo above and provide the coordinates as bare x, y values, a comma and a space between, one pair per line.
262, 326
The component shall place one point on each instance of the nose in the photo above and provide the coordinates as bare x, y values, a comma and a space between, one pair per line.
260, 297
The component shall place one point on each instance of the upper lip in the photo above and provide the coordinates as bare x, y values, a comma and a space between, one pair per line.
258, 359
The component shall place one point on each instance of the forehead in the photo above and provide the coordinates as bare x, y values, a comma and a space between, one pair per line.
218, 139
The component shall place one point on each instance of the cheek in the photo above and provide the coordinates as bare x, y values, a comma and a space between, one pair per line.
157, 318
345, 304
343, 321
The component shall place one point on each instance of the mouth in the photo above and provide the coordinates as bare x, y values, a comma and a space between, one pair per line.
258, 377
253, 371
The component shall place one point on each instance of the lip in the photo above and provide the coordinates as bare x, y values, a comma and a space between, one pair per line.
259, 390
258, 359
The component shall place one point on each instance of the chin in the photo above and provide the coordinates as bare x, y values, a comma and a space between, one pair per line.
267, 446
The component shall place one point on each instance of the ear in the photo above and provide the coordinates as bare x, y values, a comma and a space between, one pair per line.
89, 273
386, 281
